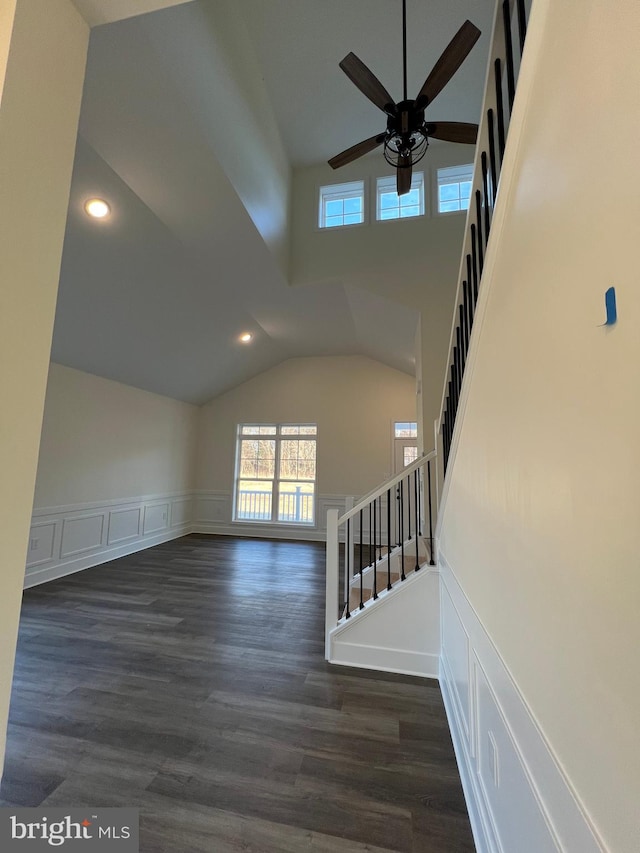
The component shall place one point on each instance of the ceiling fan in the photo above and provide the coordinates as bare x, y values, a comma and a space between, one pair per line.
406, 138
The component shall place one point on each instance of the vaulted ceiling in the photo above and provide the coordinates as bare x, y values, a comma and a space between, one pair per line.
193, 121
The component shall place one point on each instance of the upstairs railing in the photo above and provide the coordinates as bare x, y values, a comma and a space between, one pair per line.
395, 519
509, 34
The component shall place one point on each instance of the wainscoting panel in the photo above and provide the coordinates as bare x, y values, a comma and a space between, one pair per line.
156, 518
517, 794
68, 539
181, 511
82, 534
41, 543
124, 524
214, 512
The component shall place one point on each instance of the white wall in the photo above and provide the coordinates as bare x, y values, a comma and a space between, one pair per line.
541, 518
115, 475
368, 255
102, 441
253, 155
38, 122
353, 399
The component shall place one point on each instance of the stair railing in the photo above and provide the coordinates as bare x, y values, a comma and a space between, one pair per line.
509, 34
395, 518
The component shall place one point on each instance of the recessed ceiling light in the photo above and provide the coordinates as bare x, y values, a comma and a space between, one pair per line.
97, 207
246, 337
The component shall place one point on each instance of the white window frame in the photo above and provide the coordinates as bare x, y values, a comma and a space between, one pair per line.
341, 192
448, 175
387, 184
278, 437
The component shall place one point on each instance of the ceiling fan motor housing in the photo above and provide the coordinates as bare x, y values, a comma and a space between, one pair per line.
406, 140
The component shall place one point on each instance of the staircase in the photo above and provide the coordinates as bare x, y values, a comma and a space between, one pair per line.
380, 559
382, 595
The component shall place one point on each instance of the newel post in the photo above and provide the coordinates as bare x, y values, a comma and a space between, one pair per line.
331, 593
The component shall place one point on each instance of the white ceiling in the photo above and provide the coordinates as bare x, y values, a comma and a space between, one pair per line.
156, 296
299, 44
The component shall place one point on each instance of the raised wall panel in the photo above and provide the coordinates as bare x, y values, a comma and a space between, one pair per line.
517, 795
81, 534
506, 787
41, 543
181, 511
69, 539
156, 518
123, 524
455, 653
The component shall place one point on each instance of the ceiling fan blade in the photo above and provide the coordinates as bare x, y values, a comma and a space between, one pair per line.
356, 151
368, 83
452, 58
453, 131
403, 180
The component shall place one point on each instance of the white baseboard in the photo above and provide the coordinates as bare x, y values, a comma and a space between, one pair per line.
518, 797
68, 539
397, 633
259, 531
214, 513
386, 660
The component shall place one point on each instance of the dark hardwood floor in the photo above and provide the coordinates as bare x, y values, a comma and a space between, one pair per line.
188, 681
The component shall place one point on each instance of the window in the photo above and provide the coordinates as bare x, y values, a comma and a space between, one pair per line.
454, 188
390, 205
341, 204
405, 430
276, 473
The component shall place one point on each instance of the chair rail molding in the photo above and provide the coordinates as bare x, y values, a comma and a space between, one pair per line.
518, 796
70, 538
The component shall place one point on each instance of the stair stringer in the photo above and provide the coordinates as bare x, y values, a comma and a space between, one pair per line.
398, 632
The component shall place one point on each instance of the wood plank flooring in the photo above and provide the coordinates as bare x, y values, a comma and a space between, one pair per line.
188, 681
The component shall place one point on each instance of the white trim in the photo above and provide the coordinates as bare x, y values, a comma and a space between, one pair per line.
381, 659
70, 567
213, 514
64, 509
398, 632
523, 790
84, 522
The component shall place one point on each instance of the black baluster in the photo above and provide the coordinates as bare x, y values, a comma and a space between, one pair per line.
375, 558
402, 575
415, 506
370, 531
347, 566
409, 534
466, 325
485, 184
445, 431
454, 388
492, 154
508, 41
431, 561
481, 239
388, 538
446, 453
499, 108
474, 255
469, 303
361, 526
419, 476
462, 341
380, 527
522, 24
454, 380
